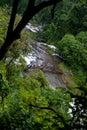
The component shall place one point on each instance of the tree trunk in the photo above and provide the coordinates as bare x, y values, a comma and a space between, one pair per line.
14, 34
8, 42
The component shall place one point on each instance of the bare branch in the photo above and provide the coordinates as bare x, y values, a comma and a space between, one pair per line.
30, 12
46, 4
13, 15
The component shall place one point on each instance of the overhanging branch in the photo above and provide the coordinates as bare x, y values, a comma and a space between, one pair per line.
45, 4
32, 11
13, 15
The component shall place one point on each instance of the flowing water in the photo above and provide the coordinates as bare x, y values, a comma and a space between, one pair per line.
40, 57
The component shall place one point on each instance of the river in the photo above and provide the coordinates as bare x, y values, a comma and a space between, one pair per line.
48, 63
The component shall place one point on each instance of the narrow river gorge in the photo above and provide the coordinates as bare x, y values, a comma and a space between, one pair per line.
40, 58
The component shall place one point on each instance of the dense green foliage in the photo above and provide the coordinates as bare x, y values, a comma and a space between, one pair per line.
21, 7
26, 100
29, 106
68, 32
73, 51
70, 17
3, 24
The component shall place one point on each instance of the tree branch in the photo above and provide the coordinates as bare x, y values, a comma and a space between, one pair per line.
46, 4
47, 108
52, 109
13, 15
30, 12
31, 3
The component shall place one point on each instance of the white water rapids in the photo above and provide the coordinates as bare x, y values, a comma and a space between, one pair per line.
40, 56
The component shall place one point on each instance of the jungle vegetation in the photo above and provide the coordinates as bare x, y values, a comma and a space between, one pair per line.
28, 103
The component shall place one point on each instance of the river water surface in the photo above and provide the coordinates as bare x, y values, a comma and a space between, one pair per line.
40, 57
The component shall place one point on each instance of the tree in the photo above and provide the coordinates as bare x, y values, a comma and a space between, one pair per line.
73, 51
82, 37
73, 19
14, 33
